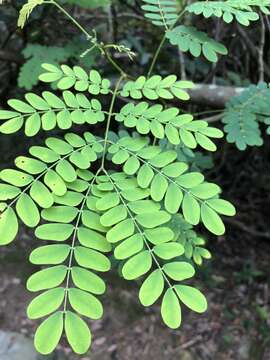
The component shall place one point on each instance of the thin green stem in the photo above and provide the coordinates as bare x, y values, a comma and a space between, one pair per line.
75, 22
109, 118
114, 64
74, 238
156, 55
208, 112
139, 230
41, 112
101, 46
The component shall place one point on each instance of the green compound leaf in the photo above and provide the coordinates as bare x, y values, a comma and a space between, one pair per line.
26, 10
85, 303
222, 207
212, 221
192, 298
161, 13
169, 180
8, 226
152, 288
61, 214
242, 116
93, 240
168, 251
27, 211
47, 278
46, 303
179, 271
87, 280
15, 177
129, 247
49, 111
77, 332
227, 10
41, 195
49, 334
137, 266
31, 166
157, 87
128, 212
171, 310
191, 209
8, 192
76, 77
193, 243
91, 259
56, 232
50, 254
188, 38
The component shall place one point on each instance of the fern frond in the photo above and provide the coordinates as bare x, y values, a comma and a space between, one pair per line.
188, 38
161, 12
26, 10
157, 87
50, 111
168, 123
169, 180
242, 116
67, 77
227, 10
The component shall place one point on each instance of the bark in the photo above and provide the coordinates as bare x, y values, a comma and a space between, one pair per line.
213, 95
12, 57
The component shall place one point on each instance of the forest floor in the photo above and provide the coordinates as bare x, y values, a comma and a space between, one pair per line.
236, 282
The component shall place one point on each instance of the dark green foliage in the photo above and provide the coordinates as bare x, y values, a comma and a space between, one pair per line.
243, 115
188, 38
36, 55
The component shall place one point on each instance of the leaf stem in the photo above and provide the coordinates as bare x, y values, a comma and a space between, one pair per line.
74, 238
101, 46
156, 55
140, 231
75, 22
109, 118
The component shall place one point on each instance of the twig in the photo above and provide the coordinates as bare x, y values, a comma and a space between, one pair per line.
182, 65
253, 50
261, 50
214, 118
12, 57
247, 229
